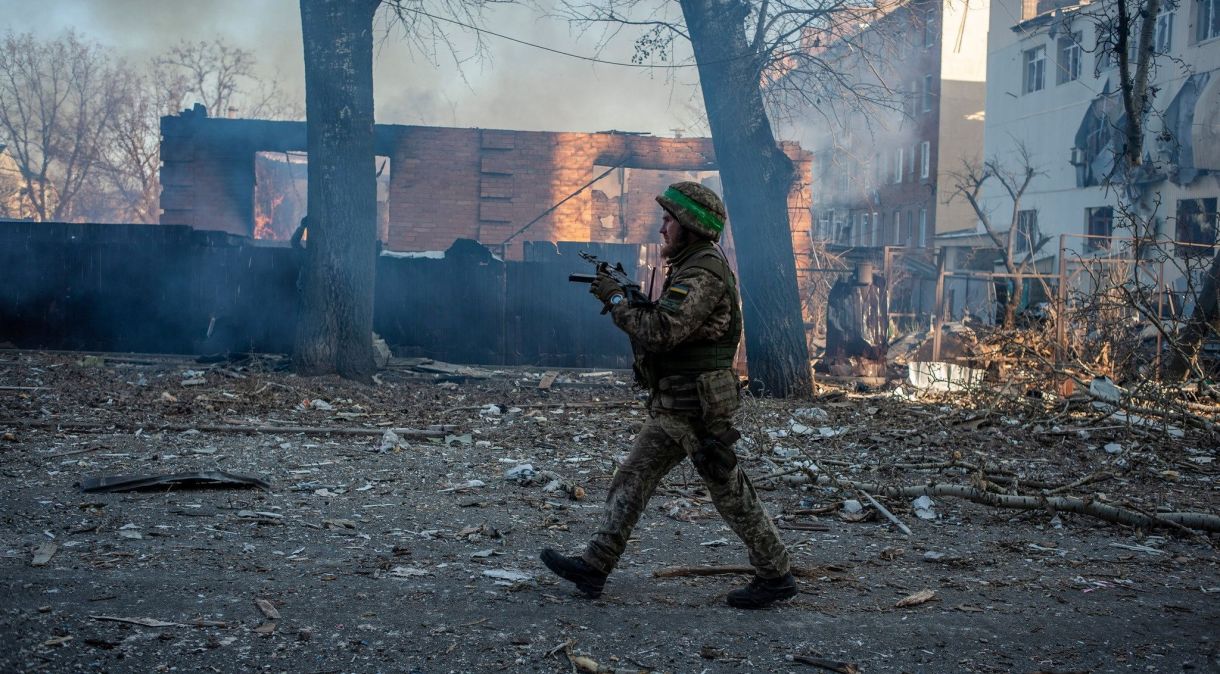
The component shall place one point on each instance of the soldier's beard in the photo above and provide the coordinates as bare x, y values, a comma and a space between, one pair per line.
676, 243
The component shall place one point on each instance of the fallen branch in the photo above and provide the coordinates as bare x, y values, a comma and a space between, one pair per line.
744, 569
605, 403
224, 428
888, 515
828, 665
1108, 513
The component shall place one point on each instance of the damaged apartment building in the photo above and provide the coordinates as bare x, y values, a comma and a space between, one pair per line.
479, 229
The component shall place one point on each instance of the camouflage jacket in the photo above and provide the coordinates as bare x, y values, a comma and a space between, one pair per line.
695, 306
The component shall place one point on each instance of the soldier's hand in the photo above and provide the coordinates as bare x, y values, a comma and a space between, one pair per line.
605, 287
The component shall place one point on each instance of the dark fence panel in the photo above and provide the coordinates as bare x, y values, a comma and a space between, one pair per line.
170, 289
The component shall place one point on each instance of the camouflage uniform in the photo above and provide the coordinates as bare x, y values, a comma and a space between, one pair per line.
690, 409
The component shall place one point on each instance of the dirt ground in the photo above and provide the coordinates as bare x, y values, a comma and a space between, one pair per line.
370, 555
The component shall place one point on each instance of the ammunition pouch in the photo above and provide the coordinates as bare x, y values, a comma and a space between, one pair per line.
677, 393
719, 396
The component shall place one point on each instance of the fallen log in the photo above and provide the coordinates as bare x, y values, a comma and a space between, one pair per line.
225, 428
730, 569
828, 665
1081, 506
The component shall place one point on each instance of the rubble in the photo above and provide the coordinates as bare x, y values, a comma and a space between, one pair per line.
424, 556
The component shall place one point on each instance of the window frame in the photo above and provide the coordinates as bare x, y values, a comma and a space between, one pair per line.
1201, 209
1207, 20
899, 164
1098, 218
1033, 58
925, 159
1069, 55
1027, 230
1162, 39
927, 93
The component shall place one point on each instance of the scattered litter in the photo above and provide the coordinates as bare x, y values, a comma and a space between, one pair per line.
1113, 448
921, 597
143, 622
390, 442
267, 608
523, 473
814, 414
43, 553
484, 554
338, 524
468, 484
198, 479
852, 506
265, 630
56, 641
408, 572
1103, 388
923, 508
1139, 548
509, 576
716, 543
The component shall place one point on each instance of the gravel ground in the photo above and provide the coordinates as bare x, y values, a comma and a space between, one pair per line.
418, 555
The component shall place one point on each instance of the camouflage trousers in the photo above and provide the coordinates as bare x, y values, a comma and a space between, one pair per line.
665, 440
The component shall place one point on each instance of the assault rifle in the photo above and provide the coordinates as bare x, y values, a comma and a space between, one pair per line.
635, 297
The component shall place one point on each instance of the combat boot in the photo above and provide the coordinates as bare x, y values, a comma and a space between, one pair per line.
588, 580
762, 592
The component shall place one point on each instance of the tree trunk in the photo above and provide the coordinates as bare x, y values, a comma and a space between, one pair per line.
335, 322
757, 177
1204, 320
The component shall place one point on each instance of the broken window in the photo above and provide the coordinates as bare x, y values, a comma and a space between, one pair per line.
1035, 69
1207, 19
1099, 226
281, 199
1027, 231
1069, 58
1196, 227
1164, 32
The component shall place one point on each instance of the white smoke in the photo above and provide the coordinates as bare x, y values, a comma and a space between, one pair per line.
518, 88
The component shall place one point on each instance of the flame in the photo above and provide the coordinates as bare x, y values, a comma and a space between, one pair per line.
263, 218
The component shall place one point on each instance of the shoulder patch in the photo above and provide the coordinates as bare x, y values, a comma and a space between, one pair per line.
673, 297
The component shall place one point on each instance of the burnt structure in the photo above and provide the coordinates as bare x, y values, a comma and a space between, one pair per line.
501, 188
480, 230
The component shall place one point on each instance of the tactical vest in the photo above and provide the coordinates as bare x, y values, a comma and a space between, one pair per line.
695, 357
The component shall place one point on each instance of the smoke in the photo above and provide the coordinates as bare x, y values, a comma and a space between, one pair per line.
514, 87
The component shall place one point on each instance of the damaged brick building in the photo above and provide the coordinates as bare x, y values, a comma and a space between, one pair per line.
479, 230
498, 187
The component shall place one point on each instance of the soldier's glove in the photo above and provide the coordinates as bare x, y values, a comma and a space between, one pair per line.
607, 289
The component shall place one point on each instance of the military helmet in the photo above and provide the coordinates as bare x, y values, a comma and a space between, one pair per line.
695, 207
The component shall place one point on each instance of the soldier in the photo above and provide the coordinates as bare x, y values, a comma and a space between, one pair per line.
684, 346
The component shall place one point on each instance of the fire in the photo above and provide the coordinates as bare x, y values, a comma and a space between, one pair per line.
263, 218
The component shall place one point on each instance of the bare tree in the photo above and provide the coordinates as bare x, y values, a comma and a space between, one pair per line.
1019, 244
57, 105
221, 77
743, 50
335, 324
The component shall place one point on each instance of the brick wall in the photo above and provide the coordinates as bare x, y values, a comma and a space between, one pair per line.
494, 186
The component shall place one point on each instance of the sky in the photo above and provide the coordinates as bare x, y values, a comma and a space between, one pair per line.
517, 87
